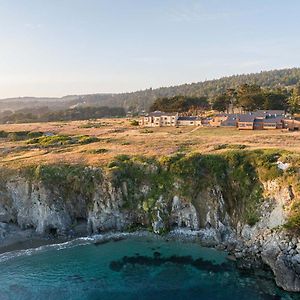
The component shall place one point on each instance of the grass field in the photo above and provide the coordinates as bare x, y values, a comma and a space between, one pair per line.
117, 136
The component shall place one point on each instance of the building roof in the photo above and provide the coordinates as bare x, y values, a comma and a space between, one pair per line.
222, 115
160, 113
188, 118
246, 118
231, 120
273, 120
268, 113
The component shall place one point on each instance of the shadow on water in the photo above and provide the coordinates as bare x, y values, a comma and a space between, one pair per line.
255, 281
157, 260
108, 240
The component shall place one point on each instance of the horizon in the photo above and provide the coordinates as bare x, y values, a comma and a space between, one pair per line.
134, 91
76, 47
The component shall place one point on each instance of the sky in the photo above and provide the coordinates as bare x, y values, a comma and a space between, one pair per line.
63, 47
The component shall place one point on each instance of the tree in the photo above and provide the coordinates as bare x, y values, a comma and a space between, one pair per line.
294, 100
250, 97
276, 100
232, 94
221, 103
180, 104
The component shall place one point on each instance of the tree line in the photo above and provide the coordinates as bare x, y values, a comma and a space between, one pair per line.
143, 100
246, 97
180, 104
44, 115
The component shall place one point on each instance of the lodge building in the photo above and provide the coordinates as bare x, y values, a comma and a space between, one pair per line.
257, 120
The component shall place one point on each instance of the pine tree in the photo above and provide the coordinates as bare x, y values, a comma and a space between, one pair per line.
294, 100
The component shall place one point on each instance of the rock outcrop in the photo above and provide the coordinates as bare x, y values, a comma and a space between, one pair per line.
268, 241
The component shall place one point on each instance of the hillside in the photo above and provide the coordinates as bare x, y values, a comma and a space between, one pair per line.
142, 100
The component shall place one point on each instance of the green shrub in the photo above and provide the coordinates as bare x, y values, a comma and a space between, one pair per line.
293, 222
91, 125
146, 131
98, 151
59, 140
68, 179
55, 140
134, 123
3, 134
266, 163
18, 135
34, 134
229, 146
87, 139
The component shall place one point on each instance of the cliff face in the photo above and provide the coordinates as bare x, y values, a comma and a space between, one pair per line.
227, 200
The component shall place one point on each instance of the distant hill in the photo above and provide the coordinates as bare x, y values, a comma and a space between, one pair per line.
142, 100
35, 102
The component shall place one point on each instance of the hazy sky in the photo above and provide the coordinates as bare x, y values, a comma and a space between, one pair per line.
59, 47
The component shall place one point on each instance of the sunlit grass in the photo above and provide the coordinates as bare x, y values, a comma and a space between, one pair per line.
118, 136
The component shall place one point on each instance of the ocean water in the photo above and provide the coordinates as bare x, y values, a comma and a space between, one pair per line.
130, 267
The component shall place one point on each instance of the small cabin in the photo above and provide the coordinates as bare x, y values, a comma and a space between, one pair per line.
189, 121
273, 123
291, 124
246, 121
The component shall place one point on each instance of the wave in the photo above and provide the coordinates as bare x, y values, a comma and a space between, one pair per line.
81, 241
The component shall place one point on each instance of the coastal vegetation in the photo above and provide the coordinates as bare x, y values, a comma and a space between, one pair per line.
57, 140
237, 174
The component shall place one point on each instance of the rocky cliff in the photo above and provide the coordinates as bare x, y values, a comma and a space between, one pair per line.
243, 201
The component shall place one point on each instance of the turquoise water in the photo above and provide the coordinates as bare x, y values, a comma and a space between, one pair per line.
136, 267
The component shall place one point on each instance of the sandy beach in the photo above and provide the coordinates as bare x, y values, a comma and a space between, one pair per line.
15, 238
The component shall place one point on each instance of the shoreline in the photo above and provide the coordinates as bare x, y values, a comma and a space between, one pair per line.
31, 240
22, 239
31, 243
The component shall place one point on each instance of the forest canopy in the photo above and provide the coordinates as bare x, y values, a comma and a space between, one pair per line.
246, 97
79, 113
180, 104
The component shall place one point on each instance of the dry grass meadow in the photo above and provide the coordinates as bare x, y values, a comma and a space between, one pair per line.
117, 136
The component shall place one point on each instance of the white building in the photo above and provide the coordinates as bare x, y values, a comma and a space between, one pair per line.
162, 119
159, 119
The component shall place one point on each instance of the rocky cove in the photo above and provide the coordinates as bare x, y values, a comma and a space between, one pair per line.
245, 202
